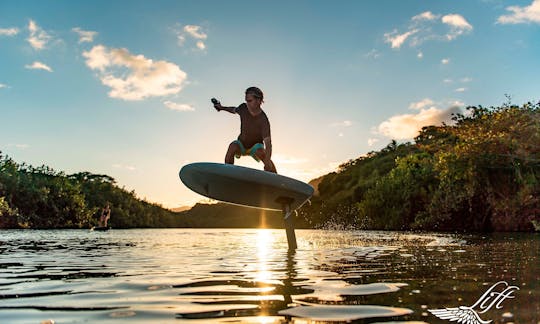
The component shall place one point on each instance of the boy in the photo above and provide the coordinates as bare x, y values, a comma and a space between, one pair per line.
254, 138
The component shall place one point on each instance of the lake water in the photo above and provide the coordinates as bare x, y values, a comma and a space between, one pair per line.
247, 276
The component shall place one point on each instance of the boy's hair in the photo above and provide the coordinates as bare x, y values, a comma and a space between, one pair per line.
255, 92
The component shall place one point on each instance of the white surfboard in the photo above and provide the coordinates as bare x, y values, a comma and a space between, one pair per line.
245, 186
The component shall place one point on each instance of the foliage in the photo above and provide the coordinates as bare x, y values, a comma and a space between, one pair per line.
338, 194
40, 197
223, 215
489, 178
479, 174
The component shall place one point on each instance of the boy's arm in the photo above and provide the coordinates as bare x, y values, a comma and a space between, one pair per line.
268, 146
219, 107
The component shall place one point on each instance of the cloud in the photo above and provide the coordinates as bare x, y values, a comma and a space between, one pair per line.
458, 25
520, 15
420, 55
345, 123
461, 89
179, 107
398, 39
421, 104
193, 32
3, 86
38, 66
466, 79
445, 61
407, 126
448, 81
85, 36
9, 31
428, 26
200, 45
38, 37
425, 16
134, 77
372, 141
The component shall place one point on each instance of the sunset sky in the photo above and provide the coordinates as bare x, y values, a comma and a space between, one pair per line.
123, 88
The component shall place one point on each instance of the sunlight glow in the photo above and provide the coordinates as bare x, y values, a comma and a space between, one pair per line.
264, 247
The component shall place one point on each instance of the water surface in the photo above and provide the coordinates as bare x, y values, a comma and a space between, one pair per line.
248, 276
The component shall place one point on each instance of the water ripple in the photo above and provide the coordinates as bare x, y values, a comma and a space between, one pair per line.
248, 276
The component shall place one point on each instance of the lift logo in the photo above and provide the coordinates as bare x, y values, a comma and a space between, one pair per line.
493, 297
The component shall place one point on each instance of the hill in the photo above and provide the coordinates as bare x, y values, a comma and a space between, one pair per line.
482, 173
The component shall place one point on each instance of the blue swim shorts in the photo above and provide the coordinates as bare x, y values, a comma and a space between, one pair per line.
251, 151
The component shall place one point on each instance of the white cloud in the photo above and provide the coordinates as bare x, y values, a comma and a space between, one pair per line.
341, 134
426, 27
200, 45
457, 103
345, 123
466, 79
445, 61
38, 37
407, 126
194, 32
519, 15
420, 55
372, 141
456, 21
179, 107
448, 81
38, 66
85, 36
421, 104
458, 25
428, 15
134, 77
9, 31
3, 86
461, 89
398, 39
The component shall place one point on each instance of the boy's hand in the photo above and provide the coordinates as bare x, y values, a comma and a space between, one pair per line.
217, 104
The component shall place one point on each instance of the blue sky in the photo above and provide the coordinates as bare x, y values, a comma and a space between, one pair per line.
123, 87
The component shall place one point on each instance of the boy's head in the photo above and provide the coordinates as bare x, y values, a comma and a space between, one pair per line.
254, 97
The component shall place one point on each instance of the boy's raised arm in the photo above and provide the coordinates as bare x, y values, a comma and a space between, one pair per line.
232, 110
219, 107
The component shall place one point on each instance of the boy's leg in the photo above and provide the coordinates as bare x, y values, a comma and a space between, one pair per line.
234, 149
268, 164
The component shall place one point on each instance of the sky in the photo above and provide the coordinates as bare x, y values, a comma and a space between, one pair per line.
123, 88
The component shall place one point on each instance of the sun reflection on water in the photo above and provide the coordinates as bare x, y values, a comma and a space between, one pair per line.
265, 240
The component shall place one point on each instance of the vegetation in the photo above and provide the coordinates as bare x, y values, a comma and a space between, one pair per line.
223, 215
43, 198
479, 174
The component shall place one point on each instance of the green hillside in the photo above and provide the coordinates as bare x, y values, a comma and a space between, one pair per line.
479, 174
